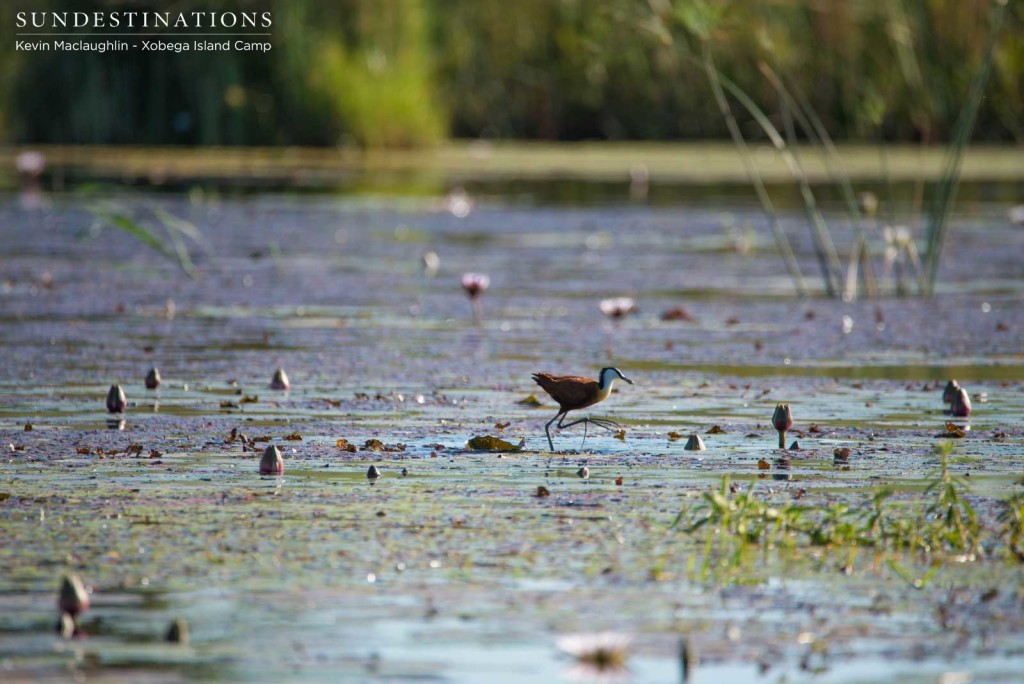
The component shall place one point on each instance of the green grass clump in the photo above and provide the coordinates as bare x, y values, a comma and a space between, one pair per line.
938, 525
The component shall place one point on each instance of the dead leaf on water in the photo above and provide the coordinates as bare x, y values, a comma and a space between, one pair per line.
543, 491
763, 464
620, 435
501, 426
249, 399
673, 436
228, 405
618, 481
530, 401
715, 430
343, 444
953, 431
491, 443
377, 445
293, 437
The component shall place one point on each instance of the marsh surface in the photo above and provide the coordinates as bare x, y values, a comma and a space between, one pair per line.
457, 571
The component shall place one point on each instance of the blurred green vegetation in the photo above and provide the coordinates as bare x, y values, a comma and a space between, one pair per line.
409, 73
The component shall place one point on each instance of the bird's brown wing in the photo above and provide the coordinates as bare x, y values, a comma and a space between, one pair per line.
570, 391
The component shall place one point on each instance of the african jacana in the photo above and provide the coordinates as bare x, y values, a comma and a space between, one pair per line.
573, 393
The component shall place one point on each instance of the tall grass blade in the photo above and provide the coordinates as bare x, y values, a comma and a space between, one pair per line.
827, 258
945, 193
781, 241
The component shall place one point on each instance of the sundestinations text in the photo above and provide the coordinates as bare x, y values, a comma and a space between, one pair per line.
146, 20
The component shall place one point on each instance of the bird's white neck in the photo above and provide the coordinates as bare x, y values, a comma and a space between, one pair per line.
605, 382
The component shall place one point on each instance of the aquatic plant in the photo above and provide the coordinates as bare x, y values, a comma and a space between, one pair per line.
782, 420
945, 194
475, 284
617, 307
135, 220
280, 380
960, 404
116, 399
272, 463
73, 598
602, 650
941, 524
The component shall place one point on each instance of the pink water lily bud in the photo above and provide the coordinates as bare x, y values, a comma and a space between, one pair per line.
961, 404
272, 463
475, 284
280, 380
153, 378
74, 599
947, 394
116, 400
782, 420
617, 307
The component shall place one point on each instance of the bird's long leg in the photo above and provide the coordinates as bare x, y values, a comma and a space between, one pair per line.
599, 422
547, 428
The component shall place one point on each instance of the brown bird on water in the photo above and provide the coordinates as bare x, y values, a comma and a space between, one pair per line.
573, 393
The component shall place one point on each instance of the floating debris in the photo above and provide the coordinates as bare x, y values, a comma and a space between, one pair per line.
954, 431
782, 420
116, 399
177, 633
344, 445
531, 400
153, 378
491, 443
280, 380
542, 492
694, 443
272, 463
677, 313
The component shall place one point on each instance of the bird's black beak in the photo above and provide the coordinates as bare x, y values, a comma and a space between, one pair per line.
627, 379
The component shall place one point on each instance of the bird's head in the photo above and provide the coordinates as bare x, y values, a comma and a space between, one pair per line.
610, 375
